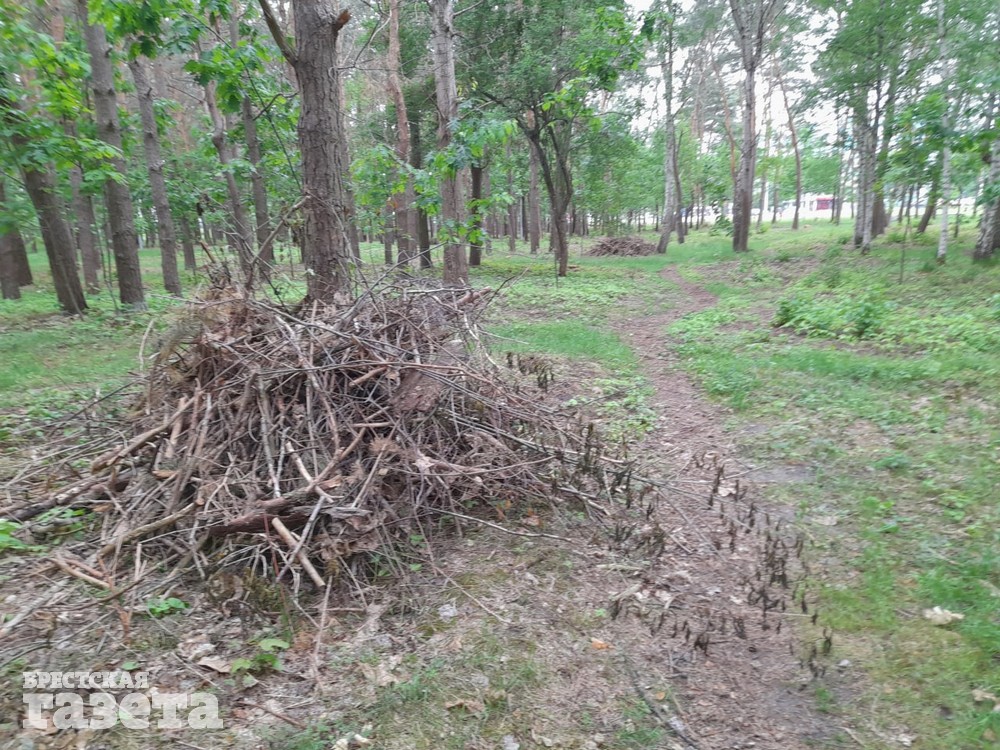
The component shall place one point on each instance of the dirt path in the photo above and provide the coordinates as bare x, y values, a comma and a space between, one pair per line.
748, 691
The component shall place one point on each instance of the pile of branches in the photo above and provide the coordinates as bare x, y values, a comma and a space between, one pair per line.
300, 440
622, 246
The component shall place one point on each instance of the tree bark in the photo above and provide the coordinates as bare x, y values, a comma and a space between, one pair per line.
670, 197
867, 188
86, 236
157, 182
9, 288
932, 200
56, 235
456, 272
405, 219
743, 189
19, 254
752, 20
793, 132
327, 205
388, 232
534, 224
187, 244
262, 214
512, 209
121, 214
942, 249
239, 236
559, 185
423, 226
476, 243
988, 241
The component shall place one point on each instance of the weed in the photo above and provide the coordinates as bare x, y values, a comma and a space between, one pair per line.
265, 659
163, 607
9, 542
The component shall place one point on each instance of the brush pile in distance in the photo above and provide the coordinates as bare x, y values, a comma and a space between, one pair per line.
318, 435
622, 246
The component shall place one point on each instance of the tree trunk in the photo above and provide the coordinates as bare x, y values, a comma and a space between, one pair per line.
988, 241
121, 215
524, 217
534, 203
559, 184
187, 243
681, 227
743, 189
942, 249
670, 196
327, 205
86, 235
866, 215
157, 183
512, 209
793, 132
9, 288
239, 236
20, 255
476, 211
456, 272
262, 214
423, 227
388, 232
406, 230
323, 144
56, 235
762, 197
727, 122
931, 208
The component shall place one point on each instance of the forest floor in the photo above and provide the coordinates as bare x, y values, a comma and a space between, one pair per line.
867, 425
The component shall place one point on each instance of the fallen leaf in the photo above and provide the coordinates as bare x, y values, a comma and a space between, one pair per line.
215, 663
378, 675
981, 696
939, 616
470, 705
992, 589
825, 520
195, 647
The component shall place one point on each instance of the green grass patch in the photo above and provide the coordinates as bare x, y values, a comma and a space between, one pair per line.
567, 339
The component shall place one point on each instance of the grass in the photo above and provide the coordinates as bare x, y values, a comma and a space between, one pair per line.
568, 339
